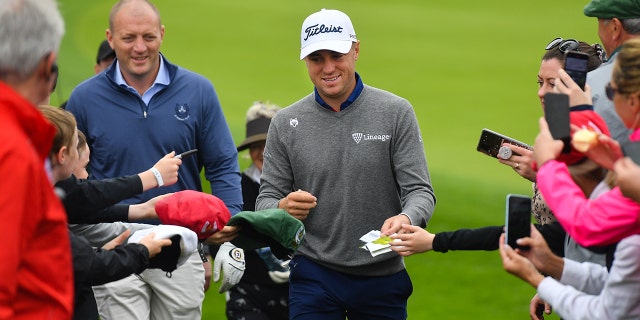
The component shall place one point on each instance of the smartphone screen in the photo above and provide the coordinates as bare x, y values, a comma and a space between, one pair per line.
576, 65
490, 142
556, 112
518, 219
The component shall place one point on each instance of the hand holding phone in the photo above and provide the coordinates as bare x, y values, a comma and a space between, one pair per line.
556, 113
490, 143
517, 220
577, 66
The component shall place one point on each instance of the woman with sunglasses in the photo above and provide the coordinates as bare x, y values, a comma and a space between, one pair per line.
587, 291
420, 240
614, 215
553, 60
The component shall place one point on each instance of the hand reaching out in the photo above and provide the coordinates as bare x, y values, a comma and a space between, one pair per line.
226, 234
145, 210
413, 240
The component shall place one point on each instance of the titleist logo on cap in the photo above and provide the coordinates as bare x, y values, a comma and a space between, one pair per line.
326, 30
315, 30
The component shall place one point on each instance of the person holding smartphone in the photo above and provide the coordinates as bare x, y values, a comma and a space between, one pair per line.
579, 290
552, 61
589, 176
521, 159
418, 240
612, 216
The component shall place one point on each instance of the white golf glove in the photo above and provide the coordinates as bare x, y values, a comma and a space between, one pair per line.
281, 276
229, 260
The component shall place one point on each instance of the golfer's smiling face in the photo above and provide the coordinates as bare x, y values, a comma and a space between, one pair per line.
333, 73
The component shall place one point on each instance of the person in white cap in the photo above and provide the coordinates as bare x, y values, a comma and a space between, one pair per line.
346, 159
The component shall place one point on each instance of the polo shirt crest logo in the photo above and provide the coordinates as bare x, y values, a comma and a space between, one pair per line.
293, 122
357, 137
182, 111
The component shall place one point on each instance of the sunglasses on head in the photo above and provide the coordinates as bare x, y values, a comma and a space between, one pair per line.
563, 45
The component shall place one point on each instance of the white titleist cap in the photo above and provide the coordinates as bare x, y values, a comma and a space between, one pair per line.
326, 30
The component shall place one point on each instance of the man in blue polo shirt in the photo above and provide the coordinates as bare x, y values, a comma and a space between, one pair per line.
139, 109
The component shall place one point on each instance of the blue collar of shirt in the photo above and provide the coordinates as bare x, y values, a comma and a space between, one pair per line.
352, 97
162, 80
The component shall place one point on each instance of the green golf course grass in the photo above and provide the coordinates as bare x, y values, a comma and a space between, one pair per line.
464, 65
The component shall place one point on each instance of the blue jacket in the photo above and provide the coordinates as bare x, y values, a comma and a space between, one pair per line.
128, 137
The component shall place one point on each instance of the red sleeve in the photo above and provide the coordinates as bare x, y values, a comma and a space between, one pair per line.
15, 201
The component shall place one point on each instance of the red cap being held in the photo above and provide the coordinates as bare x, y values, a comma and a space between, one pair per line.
201, 212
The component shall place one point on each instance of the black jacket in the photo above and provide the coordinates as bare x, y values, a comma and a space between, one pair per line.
92, 201
93, 267
486, 238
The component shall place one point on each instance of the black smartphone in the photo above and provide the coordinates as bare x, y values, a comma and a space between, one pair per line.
576, 65
518, 219
491, 141
556, 112
186, 154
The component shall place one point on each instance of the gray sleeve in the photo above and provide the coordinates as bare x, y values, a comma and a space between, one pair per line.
277, 176
412, 174
587, 277
101, 233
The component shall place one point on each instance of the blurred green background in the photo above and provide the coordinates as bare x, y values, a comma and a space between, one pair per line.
464, 65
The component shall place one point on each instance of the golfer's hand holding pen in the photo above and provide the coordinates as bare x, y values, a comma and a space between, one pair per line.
298, 204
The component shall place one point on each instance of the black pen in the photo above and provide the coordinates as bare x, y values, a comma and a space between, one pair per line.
186, 154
